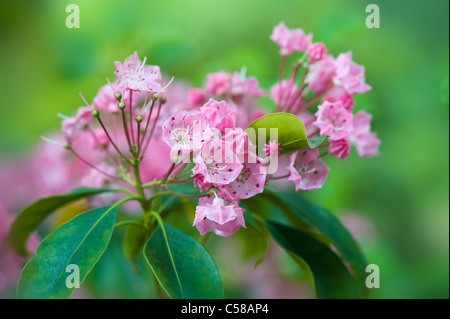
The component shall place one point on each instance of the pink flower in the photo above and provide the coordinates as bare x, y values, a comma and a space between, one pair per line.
72, 126
290, 40
218, 83
316, 52
320, 74
196, 97
365, 141
334, 120
219, 115
307, 170
250, 182
339, 148
272, 148
185, 132
345, 98
217, 163
286, 95
241, 86
223, 220
135, 75
349, 75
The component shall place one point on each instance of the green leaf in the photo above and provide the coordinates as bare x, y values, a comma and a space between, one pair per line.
316, 141
329, 226
133, 242
81, 241
255, 237
32, 216
182, 266
291, 131
331, 278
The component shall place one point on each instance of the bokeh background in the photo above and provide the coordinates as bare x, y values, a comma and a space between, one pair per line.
400, 197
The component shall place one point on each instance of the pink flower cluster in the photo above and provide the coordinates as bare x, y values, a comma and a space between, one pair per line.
335, 81
225, 163
137, 130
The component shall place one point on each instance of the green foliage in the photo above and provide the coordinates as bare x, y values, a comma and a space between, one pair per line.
317, 222
182, 266
291, 131
331, 277
133, 242
32, 216
81, 241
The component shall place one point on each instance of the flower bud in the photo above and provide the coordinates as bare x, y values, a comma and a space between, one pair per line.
95, 113
138, 119
118, 96
175, 159
121, 105
155, 96
162, 100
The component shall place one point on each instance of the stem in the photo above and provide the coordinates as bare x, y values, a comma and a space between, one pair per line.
129, 223
164, 179
183, 195
179, 181
108, 155
148, 122
280, 79
323, 154
152, 130
110, 139
131, 116
139, 188
125, 128
91, 165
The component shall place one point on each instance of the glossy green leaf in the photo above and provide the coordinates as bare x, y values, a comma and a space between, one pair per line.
133, 242
81, 242
330, 276
291, 131
329, 226
255, 238
32, 216
182, 266
316, 141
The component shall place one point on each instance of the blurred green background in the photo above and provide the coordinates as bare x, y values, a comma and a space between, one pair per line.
404, 191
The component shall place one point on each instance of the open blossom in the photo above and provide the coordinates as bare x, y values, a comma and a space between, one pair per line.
320, 75
224, 220
349, 75
218, 83
334, 120
72, 126
250, 182
185, 132
133, 74
339, 148
316, 52
365, 141
290, 40
219, 115
307, 170
217, 163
